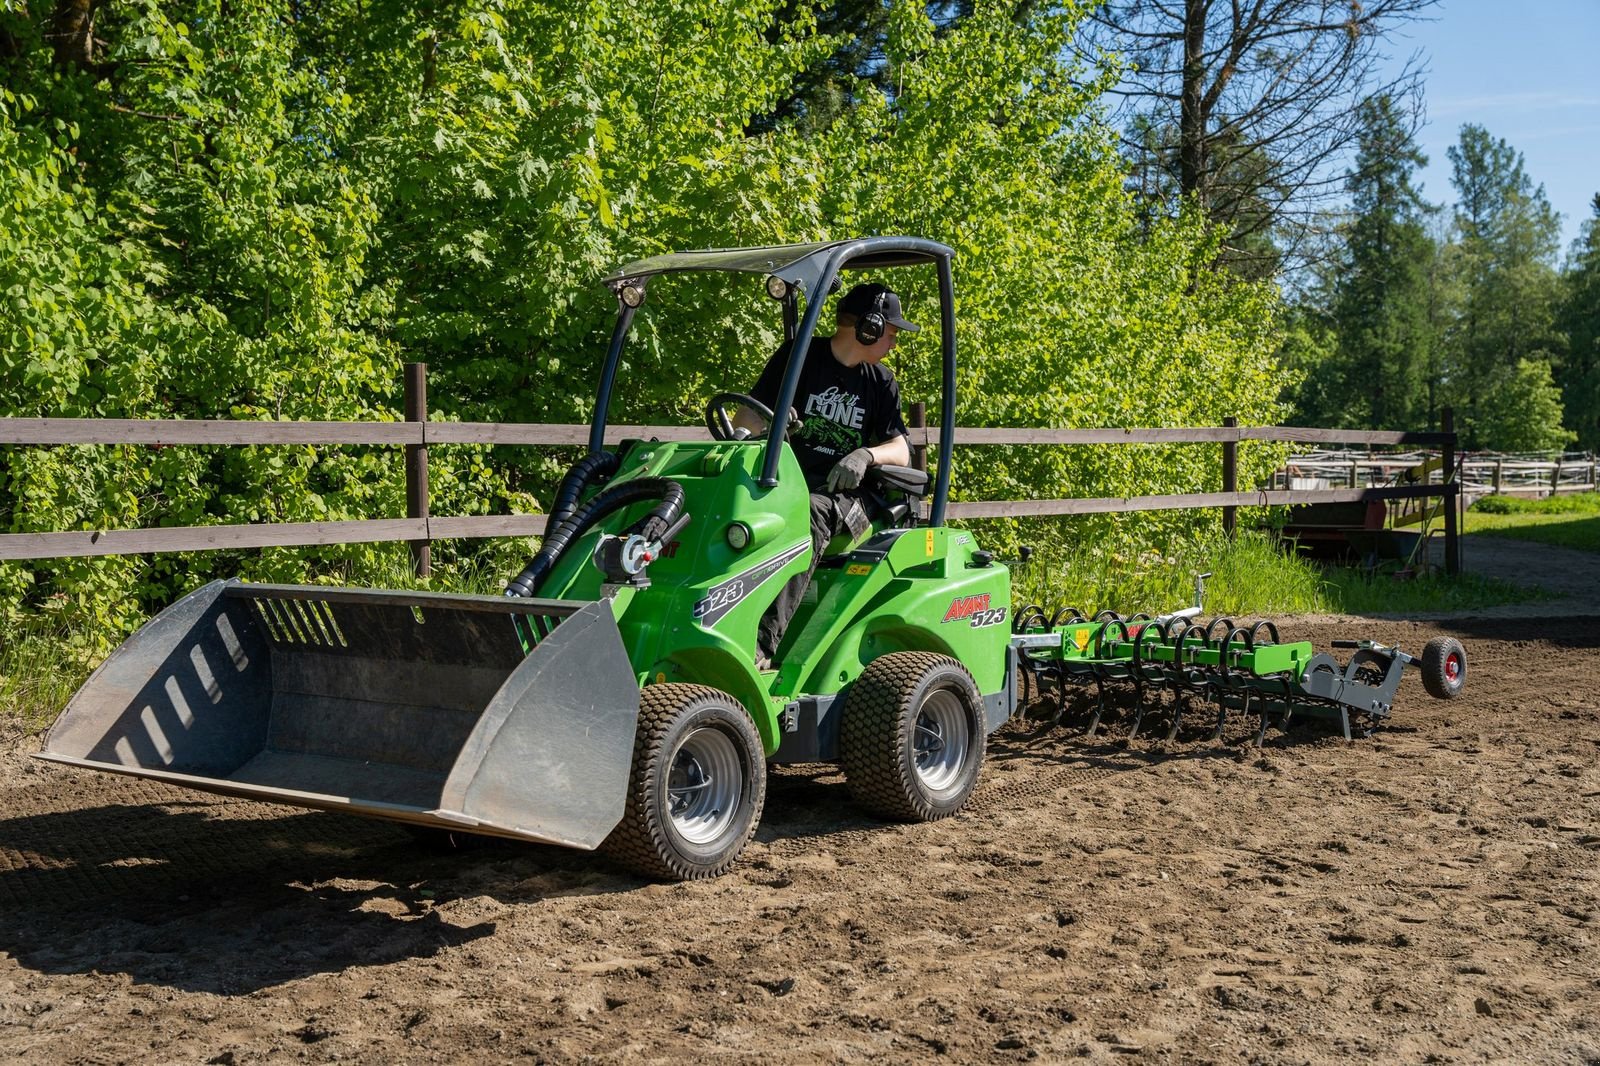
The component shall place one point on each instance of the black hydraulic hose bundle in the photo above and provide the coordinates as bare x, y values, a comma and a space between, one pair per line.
594, 466
580, 521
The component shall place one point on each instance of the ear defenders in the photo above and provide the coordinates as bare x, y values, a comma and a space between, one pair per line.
870, 326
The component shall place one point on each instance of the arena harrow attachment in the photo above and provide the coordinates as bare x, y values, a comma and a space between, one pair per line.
1215, 668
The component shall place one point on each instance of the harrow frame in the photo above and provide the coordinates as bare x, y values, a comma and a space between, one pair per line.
1232, 666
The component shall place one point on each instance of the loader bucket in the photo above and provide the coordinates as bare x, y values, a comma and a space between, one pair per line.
417, 707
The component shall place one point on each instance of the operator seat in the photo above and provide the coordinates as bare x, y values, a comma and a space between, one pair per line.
894, 495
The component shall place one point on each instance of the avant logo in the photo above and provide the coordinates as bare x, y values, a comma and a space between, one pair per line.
966, 606
977, 609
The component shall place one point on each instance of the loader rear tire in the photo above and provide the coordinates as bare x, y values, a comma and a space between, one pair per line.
1444, 667
912, 738
697, 787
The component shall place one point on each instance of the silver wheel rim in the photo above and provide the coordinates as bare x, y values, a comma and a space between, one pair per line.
941, 741
703, 785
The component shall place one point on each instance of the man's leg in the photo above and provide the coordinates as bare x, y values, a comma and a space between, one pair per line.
830, 516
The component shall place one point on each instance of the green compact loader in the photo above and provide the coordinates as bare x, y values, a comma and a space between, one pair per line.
612, 698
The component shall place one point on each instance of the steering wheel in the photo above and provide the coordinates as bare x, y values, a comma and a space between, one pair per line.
717, 420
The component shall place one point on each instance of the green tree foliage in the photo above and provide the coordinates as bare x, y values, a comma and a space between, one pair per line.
1507, 236
1580, 320
1523, 413
261, 213
1381, 296
830, 85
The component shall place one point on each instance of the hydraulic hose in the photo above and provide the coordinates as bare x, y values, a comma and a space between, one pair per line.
579, 522
594, 465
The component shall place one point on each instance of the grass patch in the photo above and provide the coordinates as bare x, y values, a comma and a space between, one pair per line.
1251, 577
41, 666
1570, 504
1356, 592
1565, 521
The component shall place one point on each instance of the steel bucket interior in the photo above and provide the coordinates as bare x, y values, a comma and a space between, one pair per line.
419, 707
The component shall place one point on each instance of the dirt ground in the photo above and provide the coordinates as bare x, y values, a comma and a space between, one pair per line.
1427, 894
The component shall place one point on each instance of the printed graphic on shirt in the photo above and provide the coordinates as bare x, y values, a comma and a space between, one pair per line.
828, 438
836, 405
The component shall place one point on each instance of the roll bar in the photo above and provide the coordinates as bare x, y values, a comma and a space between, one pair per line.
811, 270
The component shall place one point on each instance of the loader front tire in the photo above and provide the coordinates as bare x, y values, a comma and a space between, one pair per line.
912, 738
698, 783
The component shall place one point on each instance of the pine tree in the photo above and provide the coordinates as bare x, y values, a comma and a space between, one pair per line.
1580, 320
1508, 236
1381, 296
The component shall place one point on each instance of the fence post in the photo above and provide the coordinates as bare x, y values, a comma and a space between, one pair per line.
918, 419
417, 464
1230, 478
1499, 468
1452, 536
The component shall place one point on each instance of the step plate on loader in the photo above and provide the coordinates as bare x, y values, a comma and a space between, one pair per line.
417, 707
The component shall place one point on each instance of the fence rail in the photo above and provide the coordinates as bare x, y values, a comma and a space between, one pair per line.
1480, 474
417, 434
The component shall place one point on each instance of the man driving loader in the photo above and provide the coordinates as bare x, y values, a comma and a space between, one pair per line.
849, 404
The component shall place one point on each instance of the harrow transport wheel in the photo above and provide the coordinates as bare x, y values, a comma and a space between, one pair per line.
698, 783
1444, 667
912, 738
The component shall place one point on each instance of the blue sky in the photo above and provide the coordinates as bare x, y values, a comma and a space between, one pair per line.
1529, 73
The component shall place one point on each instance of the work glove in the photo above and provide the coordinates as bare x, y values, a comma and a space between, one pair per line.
848, 472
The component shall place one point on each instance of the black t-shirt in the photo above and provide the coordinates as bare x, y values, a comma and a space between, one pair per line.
843, 408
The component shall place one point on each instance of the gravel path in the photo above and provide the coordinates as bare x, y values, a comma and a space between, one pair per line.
1572, 575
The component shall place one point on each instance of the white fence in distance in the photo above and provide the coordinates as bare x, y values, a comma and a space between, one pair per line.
1482, 473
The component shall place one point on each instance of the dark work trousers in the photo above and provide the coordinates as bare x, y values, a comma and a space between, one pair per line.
832, 513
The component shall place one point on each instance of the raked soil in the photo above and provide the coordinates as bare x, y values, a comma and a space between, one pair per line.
1430, 893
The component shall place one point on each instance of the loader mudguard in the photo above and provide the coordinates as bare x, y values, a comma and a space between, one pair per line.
416, 707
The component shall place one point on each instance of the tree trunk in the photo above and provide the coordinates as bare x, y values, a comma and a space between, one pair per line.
72, 32
1192, 177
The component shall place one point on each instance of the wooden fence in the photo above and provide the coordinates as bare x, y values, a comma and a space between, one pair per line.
417, 434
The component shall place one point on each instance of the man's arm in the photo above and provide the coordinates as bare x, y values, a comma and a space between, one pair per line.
744, 418
896, 451
848, 472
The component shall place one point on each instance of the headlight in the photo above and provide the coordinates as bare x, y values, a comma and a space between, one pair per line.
777, 288
738, 536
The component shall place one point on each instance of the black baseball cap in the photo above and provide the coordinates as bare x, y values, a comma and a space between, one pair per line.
871, 296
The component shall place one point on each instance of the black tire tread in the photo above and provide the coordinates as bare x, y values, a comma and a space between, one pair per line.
1434, 656
872, 737
639, 841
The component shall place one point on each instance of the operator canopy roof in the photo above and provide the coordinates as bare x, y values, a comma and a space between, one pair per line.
801, 265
